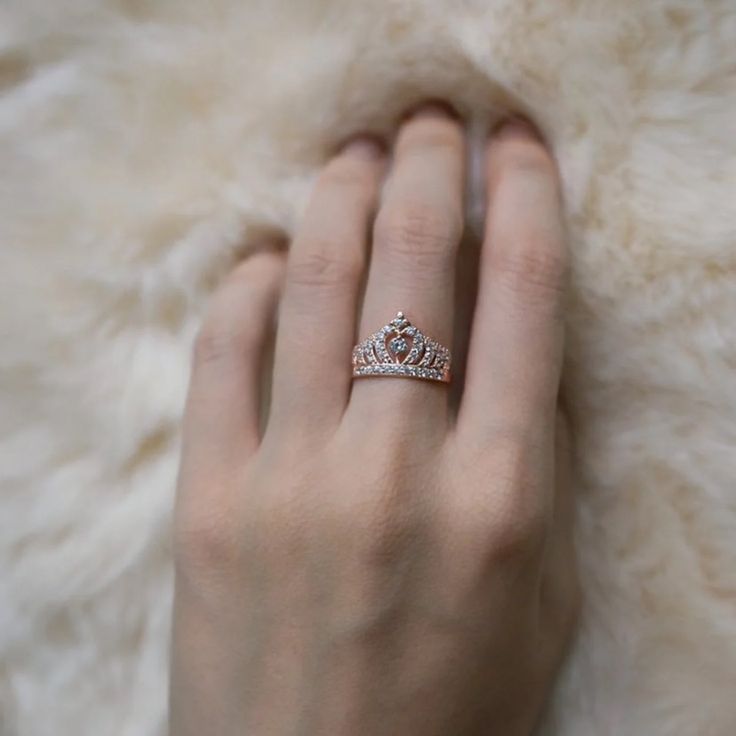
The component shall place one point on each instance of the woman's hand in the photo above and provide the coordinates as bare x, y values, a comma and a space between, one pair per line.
375, 562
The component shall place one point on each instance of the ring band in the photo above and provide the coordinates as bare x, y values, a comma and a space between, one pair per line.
400, 349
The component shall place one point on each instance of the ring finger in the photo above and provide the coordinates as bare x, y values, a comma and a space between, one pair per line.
415, 241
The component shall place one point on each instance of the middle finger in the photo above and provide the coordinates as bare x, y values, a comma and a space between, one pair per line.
311, 375
416, 237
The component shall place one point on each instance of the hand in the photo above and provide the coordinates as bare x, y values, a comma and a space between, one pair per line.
375, 562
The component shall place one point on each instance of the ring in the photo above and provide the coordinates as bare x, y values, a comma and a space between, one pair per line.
400, 349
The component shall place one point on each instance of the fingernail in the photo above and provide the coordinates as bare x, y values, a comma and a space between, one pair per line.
431, 109
515, 126
365, 146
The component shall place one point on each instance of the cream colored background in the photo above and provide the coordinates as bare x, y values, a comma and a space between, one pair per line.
143, 144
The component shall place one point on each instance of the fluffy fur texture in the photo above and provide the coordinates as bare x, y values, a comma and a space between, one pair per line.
146, 144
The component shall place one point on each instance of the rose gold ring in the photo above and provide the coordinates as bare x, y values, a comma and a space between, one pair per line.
400, 349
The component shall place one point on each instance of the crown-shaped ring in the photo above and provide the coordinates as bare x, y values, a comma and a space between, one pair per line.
400, 349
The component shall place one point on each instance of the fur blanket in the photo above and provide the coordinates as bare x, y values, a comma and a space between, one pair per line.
144, 144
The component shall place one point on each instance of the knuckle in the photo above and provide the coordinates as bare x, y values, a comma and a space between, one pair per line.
507, 535
518, 520
528, 158
219, 340
347, 175
534, 271
385, 533
381, 519
518, 528
420, 232
225, 333
326, 264
438, 135
205, 545
503, 537
255, 269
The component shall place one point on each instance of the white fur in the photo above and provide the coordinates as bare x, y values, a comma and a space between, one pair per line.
144, 144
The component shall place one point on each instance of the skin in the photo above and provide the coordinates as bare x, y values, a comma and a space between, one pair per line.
380, 559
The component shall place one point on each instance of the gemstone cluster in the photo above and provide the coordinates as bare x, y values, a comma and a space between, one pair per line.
400, 349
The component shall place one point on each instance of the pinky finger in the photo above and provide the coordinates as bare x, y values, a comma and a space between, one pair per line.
222, 420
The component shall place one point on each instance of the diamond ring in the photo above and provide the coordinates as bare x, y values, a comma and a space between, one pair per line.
400, 349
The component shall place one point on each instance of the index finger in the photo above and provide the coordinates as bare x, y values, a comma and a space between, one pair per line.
516, 343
